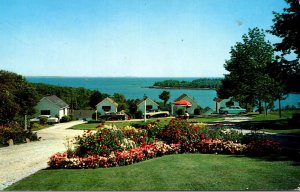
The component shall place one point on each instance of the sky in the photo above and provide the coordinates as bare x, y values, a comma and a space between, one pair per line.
126, 38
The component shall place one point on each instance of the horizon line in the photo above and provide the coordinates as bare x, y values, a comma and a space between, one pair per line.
58, 76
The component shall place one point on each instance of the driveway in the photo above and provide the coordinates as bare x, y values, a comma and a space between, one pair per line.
19, 161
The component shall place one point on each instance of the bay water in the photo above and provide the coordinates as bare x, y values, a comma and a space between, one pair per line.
136, 88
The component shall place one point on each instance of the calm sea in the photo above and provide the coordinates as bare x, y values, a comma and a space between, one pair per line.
134, 88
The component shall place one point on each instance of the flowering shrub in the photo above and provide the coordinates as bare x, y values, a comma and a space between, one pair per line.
220, 146
120, 158
180, 131
262, 147
103, 142
231, 135
137, 135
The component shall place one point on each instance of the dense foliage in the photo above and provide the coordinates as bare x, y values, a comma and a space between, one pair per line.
249, 80
17, 97
203, 83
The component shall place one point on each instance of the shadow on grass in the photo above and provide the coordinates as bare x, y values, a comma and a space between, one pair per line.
294, 157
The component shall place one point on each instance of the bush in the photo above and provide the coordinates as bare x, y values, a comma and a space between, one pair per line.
94, 115
18, 136
103, 142
295, 119
139, 115
43, 120
231, 135
65, 118
98, 121
262, 147
197, 111
179, 112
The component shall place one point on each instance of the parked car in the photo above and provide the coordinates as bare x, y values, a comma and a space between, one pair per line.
157, 113
113, 116
49, 119
232, 110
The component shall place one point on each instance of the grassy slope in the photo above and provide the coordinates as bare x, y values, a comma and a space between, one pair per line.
173, 172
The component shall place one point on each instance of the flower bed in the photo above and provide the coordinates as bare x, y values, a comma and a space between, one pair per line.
120, 158
111, 146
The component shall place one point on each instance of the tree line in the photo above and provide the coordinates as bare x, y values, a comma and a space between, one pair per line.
201, 83
18, 97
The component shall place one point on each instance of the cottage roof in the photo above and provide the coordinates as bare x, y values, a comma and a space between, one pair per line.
57, 101
110, 100
140, 102
185, 95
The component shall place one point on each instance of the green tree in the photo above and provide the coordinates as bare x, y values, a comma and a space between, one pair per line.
246, 66
17, 97
95, 98
286, 26
165, 96
121, 100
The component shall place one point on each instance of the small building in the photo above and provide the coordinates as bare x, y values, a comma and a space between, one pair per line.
52, 105
190, 110
107, 105
150, 105
225, 103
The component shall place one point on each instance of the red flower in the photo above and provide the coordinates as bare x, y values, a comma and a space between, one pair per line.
202, 136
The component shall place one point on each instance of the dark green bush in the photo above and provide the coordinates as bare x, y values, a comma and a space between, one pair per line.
18, 136
43, 120
179, 112
139, 115
65, 118
98, 121
94, 115
197, 111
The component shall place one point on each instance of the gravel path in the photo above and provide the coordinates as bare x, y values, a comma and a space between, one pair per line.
19, 161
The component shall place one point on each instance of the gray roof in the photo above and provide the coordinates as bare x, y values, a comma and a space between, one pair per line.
57, 101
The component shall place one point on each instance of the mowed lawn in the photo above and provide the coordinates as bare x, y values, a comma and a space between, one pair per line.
173, 172
127, 123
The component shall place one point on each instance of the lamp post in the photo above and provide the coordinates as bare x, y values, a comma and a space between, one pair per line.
145, 118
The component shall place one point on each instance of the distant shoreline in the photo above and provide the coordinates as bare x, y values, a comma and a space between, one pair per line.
187, 88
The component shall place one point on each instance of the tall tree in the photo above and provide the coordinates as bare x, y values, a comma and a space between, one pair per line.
17, 97
165, 96
286, 26
95, 98
246, 65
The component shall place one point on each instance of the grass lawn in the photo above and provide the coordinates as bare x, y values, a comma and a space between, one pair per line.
173, 172
125, 123
282, 131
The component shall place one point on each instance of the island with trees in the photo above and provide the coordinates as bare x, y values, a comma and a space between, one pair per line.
201, 83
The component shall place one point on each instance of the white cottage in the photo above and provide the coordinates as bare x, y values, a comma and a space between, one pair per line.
190, 110
150, 105
107, 105
225, 103
52, 105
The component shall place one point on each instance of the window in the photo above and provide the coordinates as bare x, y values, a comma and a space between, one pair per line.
106, 108
148, 107
45, 112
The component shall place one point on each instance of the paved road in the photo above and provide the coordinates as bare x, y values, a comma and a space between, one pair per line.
19, 161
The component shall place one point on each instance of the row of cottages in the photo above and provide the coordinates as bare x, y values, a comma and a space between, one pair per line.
52, 105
